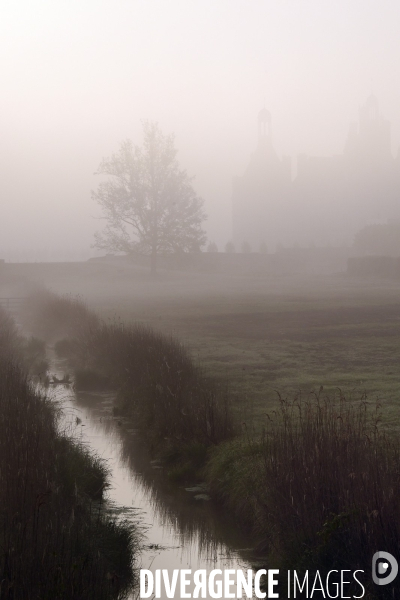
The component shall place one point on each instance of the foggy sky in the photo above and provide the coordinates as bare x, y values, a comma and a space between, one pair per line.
78, 77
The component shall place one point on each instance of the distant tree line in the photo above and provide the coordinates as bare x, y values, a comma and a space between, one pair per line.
379, 239
245, 248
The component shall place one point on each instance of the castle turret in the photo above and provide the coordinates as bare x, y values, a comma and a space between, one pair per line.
264, 124
369, 140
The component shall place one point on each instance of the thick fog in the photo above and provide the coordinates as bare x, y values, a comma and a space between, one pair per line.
78, 77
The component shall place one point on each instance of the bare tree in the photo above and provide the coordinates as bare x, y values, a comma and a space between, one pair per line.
148, 200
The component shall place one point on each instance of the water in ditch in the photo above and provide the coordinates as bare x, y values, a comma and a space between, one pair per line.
181, 529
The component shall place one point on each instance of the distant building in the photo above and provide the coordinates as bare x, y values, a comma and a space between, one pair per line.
330, 199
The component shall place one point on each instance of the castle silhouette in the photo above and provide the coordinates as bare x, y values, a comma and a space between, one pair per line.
330, 199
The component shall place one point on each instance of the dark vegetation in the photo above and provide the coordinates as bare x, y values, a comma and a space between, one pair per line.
318, 483
182, 411
379, 239
320, 486
30, 352
57, 540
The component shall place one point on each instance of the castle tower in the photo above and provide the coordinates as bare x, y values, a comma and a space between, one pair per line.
369, 140
264, 125
260, 194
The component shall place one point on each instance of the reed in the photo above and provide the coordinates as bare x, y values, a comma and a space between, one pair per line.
160, 386
53, 317
56, 539
320, 488
156, 380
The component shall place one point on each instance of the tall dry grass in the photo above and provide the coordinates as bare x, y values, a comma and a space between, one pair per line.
53, 317
160, 386
320, 488
156, 380
56, 541
28, 352
333, 472
9, 339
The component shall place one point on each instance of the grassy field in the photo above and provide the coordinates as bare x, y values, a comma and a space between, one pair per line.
265, 335
282, 336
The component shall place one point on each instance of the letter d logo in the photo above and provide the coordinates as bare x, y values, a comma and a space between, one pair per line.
385, 564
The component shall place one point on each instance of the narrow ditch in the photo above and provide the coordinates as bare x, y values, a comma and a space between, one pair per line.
182, 528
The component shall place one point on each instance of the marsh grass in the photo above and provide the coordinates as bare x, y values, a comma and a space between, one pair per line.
320, 487
33, 356
9, 339
53, 317
27, 351
80, 470
158, 385
56, 540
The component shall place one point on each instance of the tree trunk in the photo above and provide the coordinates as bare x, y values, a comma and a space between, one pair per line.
153, 262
